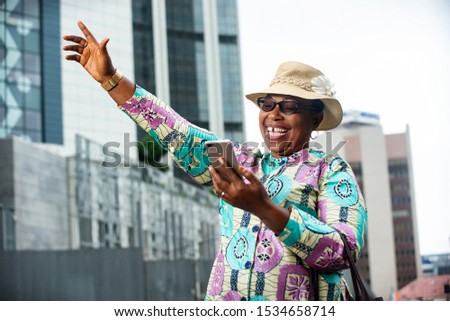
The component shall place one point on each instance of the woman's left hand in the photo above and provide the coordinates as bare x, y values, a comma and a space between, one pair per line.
248, 195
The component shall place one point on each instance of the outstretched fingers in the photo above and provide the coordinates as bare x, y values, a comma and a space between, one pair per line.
89, 37
76, 48
73, 57
78, 40
103, 43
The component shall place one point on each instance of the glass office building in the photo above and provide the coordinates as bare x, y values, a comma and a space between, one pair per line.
30, 75
187, 50
44, 98
20, 72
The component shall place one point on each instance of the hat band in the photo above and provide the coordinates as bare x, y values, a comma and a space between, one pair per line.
320, 84
296, 82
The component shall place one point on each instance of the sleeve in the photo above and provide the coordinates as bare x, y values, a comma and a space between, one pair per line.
184, 141
340, 207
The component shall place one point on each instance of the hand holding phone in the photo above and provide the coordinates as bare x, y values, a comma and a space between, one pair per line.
222, 148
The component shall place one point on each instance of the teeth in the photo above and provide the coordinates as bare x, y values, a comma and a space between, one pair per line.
276, 130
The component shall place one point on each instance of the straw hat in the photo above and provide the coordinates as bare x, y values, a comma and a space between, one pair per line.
301, 80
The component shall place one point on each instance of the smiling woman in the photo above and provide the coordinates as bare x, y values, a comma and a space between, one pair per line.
288, 127
280, 225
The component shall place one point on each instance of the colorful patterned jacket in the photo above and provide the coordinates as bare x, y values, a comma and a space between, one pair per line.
253, 263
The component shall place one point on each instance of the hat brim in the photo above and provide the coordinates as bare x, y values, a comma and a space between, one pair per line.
332, 113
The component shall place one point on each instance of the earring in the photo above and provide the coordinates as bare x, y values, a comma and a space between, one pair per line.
315, 136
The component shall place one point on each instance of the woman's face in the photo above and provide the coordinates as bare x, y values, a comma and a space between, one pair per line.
287, 134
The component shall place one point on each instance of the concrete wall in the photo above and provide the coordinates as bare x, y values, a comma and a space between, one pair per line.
378, 199
102, 274
33, 182
6, 173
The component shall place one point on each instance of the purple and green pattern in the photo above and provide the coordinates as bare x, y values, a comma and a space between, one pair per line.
252, 262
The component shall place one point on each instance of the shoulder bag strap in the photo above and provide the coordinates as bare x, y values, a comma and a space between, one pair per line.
361, 293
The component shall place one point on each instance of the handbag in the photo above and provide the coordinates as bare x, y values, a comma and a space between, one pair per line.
361, 292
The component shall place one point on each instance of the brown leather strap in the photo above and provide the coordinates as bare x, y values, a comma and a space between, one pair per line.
314, 285
361, 293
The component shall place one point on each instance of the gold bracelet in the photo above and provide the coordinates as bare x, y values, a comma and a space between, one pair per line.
113, 81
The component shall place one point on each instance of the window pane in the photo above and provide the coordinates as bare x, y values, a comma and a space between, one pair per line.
34, 135
32, 63
32, 119
33, 98
31, 7
14, 118
13, 59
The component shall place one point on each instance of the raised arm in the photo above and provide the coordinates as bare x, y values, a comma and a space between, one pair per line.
183, 140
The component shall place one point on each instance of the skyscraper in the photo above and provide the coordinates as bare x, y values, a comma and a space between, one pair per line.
184, 51
403, 208
383, 168
23, 62
188, 54
200, 75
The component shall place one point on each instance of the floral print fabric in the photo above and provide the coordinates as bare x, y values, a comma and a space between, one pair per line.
252, 262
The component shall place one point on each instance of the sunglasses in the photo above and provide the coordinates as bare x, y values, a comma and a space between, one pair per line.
287, 106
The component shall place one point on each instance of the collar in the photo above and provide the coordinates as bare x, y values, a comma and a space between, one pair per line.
294, 159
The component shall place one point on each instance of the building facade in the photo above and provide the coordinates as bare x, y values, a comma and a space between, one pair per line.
383, 168
22, 65
80, 204
183, 51
188, 54
401, 181
436, 264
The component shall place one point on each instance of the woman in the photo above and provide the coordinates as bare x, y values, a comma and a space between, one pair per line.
279, 224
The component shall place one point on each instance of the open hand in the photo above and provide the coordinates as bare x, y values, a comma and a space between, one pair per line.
92, 55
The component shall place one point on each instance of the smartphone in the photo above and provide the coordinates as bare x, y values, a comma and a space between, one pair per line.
222, 148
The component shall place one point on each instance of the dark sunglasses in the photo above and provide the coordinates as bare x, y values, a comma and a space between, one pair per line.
287, 106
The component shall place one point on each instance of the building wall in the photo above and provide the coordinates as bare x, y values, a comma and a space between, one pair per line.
230, 68
187, 53
381, 247
404, 214
20, 69
437, 264
43, 97
6, 175
189, 50
35, 188
99, 275
51, 73
132, 205
73, 203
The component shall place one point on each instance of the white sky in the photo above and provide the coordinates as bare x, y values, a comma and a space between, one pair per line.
385, 56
